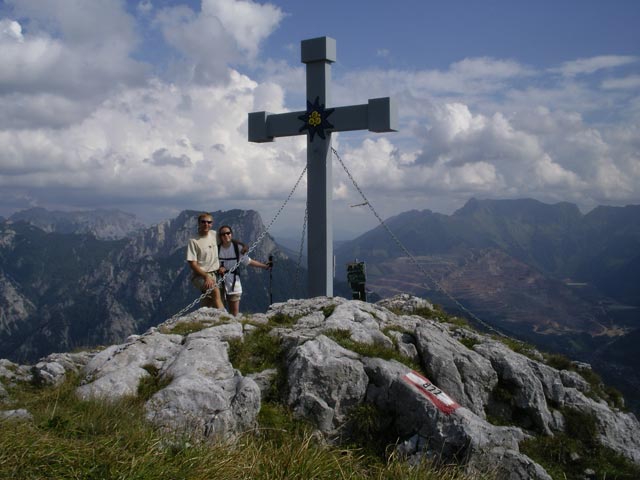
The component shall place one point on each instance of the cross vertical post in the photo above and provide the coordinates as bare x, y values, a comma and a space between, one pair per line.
318, 54
378, 115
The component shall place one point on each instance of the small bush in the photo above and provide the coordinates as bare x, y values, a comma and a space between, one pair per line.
558, 361
614, 397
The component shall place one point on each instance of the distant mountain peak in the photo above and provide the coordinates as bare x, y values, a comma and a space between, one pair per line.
106, 224
522, 208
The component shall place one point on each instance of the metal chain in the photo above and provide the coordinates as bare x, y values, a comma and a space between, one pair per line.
251, 249
304, 230
402, 247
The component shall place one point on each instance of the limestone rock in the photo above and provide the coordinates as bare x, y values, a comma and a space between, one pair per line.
204, 395
19, 415
117, 370
52, 369
460, 371
325, 381
201, 393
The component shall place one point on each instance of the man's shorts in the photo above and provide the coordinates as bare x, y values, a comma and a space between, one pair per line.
198, 281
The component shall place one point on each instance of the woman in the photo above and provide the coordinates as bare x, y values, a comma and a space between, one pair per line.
230, 253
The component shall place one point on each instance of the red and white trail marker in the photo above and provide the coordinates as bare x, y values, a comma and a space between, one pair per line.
440, 399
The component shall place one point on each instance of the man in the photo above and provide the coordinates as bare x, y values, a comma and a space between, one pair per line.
202, 256
231, 253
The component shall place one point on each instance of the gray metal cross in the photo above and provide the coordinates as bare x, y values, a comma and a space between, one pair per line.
378, 115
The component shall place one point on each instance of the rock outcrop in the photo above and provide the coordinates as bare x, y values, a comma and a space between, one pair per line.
339, 356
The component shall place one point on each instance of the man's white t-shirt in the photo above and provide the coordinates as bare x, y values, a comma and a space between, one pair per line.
228, 256
204, 250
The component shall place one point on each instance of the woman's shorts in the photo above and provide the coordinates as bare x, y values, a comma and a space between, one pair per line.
234, 297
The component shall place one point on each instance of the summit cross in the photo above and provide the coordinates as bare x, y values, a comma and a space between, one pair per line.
318, 122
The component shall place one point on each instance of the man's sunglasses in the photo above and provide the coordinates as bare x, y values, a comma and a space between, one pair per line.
208, 222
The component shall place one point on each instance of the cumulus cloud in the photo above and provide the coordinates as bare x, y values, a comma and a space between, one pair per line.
162, 157
181, 144
63, 60
84, 124
224, 32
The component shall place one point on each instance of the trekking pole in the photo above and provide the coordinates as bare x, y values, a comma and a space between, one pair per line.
270, 279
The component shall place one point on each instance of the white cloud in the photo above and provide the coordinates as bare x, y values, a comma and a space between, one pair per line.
182, 144
63, 60
249, 23
10, 30
585, 66
224, 32
628, 82
486, 68
82, 123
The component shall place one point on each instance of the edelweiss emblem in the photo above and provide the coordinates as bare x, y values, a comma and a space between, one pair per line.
315, 120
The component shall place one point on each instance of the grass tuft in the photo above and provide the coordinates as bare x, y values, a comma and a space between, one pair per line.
343, 338
328, 310
282, 320
258, 350
468, 342
186, 328
152, 383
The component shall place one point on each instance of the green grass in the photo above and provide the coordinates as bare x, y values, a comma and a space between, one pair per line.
328, 310
256, 351
580, 441
468, 342
282, 320
153, 383
518, 346
368, 428
558, 361
73, 439
343, 338
186, 328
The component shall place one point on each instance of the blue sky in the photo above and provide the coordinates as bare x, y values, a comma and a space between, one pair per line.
142, 105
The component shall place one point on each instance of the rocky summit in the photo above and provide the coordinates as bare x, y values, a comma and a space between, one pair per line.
437, 387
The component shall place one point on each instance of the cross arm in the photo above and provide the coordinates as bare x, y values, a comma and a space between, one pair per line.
378, 115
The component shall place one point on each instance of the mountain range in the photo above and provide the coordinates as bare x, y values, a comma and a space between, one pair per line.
61, 290
103, 224
548, 274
